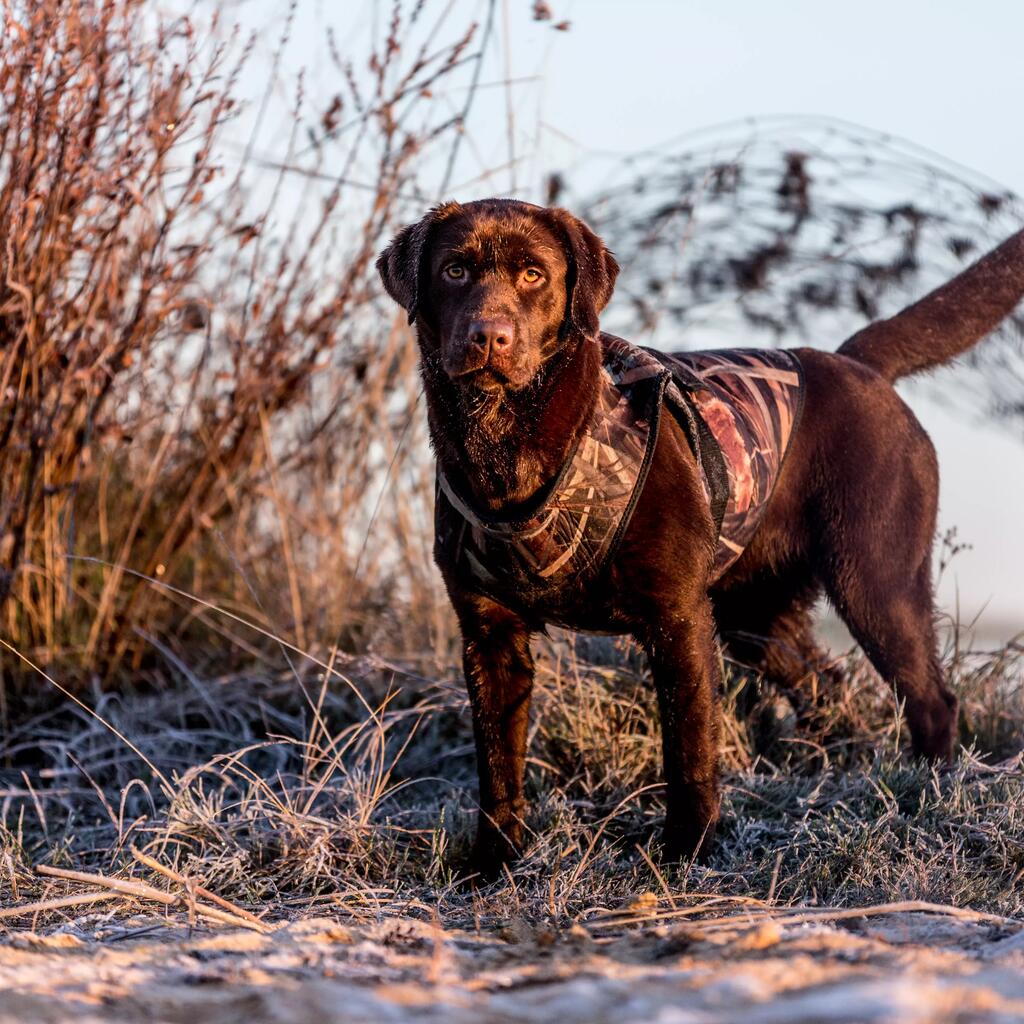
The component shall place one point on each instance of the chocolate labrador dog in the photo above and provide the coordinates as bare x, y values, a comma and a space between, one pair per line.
597, 485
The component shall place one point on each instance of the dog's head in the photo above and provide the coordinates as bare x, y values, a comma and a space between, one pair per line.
497, 287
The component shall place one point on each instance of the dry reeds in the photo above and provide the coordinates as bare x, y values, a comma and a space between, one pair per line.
193, 390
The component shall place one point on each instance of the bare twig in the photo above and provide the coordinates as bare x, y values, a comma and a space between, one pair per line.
141, 890
138, 889
785, 916
199, 890
58, 903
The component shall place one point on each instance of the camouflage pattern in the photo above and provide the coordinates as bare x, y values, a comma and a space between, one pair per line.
547, 557
751, 400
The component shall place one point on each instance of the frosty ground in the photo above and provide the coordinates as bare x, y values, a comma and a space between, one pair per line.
893, 967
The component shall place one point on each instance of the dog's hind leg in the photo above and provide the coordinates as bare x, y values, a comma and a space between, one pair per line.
896, 630
877, 572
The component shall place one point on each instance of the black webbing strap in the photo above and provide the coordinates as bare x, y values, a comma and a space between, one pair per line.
705, 449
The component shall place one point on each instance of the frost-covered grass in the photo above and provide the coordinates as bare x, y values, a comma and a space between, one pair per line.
287, 794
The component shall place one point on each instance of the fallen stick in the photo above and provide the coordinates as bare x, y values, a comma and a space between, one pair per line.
876, 910
628, 915
57, 903
225, 918
142, 890
199, 890
786, 915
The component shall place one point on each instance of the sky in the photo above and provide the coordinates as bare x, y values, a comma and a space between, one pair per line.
627, 76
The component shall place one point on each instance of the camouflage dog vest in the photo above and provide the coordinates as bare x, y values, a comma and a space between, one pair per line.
739, 409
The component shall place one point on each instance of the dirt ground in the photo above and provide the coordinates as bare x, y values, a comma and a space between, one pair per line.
911, 968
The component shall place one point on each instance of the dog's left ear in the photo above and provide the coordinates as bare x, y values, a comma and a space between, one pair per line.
591, 275
400, 265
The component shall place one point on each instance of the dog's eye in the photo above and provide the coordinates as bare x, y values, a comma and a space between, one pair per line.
454, 271
531, 275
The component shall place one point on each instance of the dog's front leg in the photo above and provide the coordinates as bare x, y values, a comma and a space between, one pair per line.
499, 676
683, 656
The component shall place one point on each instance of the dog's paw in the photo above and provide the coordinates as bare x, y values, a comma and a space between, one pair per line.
686, 844
491, 852
934, 729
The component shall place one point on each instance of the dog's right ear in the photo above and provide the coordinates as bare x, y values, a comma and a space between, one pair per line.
400, 265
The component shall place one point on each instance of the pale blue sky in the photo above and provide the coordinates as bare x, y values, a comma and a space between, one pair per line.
630, 75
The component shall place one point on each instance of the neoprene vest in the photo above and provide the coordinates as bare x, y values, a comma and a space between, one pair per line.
739, 409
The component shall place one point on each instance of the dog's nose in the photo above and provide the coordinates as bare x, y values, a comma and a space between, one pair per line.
491, 337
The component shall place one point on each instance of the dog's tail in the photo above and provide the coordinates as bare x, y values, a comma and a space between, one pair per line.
947, 321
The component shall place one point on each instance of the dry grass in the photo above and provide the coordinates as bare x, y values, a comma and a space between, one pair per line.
199, 385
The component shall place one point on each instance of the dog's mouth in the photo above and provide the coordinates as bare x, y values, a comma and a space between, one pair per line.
486, 379
491, 378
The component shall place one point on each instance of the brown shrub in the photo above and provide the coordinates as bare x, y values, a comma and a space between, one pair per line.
192, 394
